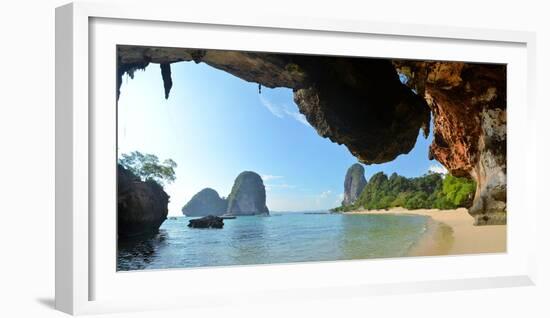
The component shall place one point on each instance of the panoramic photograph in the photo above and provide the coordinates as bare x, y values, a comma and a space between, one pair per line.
230, 158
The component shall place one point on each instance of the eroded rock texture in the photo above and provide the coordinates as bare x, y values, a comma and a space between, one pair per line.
352, 101
468, 103
354, 184
142, 206
247, 196
362, 104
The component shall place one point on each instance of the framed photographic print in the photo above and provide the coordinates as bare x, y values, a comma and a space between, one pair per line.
254, 157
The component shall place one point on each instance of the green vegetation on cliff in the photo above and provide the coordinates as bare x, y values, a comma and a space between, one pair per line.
429, 191
148, 167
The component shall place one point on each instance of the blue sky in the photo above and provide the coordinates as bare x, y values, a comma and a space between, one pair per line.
215, 125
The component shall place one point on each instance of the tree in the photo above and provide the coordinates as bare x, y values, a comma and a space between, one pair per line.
459, 191
418, 200
148, 167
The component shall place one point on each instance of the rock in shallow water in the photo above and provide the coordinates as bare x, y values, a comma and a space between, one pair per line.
205, 202
247, 196
142, 206
211, 221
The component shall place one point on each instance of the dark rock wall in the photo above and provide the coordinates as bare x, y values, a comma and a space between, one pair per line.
352, 101
362, 104
142, 206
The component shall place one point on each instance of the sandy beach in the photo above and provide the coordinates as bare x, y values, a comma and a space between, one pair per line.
451, 232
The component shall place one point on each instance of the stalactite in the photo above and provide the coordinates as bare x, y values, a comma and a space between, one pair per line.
166, 73
362, 104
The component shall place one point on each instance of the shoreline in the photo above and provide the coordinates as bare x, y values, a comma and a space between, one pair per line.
450, 232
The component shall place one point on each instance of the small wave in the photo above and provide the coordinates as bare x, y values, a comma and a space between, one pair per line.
411, 244
424, 228
408, 247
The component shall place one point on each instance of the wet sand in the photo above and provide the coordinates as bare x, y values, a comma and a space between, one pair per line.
451, 232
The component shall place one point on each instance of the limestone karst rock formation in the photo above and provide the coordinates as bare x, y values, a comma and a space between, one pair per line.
468, 104
247, 196
361, 103
205, 202
354, 183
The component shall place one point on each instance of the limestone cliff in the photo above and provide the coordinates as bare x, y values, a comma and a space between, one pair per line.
354, 183
247, 196
361, 103
468, 103
142, 206
357, 102
205, 202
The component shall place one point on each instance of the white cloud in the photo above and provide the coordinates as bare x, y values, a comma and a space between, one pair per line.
274, 109
281, 186
298, 117
269, 177
285, 186
324, 199
437, 169
279, 182
325, 194
270, 187
282, 111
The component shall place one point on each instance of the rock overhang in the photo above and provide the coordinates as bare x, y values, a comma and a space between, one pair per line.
362, 104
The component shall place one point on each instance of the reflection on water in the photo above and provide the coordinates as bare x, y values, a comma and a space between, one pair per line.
137, 253
247, 240
292, 237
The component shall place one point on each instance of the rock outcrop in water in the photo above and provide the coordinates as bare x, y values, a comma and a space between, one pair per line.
205, 202
247, 196
362, 104
142, 205
207, 222
354, 183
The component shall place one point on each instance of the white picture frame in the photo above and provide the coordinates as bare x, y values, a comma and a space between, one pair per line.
85, 282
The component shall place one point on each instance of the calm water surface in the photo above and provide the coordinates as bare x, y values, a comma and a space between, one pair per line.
280, 238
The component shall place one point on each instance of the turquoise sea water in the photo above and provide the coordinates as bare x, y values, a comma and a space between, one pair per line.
280, 238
